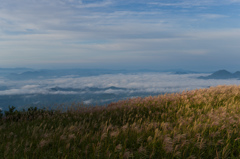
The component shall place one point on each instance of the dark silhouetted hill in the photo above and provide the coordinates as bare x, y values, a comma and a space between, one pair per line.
222, 74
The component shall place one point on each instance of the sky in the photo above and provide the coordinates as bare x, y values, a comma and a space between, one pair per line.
199, 35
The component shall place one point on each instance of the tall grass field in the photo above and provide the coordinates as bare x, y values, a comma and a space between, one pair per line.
203, 123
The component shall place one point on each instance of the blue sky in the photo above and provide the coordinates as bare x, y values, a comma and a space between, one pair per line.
120, 34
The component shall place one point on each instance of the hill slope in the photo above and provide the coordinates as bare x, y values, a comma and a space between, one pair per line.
202, 123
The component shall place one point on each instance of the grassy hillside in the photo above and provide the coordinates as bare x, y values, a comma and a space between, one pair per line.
203, 123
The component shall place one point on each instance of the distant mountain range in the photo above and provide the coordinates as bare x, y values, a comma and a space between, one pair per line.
7, 71
43, 74
182, 72
222, 74
26, 74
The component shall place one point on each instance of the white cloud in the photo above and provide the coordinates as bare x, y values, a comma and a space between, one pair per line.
88, 101
213, 16
30, 87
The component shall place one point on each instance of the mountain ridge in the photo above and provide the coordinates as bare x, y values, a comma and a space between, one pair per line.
222, 74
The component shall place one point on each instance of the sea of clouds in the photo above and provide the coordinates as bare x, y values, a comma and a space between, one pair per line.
139, 82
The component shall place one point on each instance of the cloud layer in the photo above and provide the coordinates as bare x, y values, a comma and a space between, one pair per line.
68, 33
131, 83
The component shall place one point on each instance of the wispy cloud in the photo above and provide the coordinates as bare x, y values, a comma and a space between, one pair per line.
186, 3
213, 16
234, 1
95, 5
95, 32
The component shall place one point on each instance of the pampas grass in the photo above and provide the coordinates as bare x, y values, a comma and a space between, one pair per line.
203, 123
